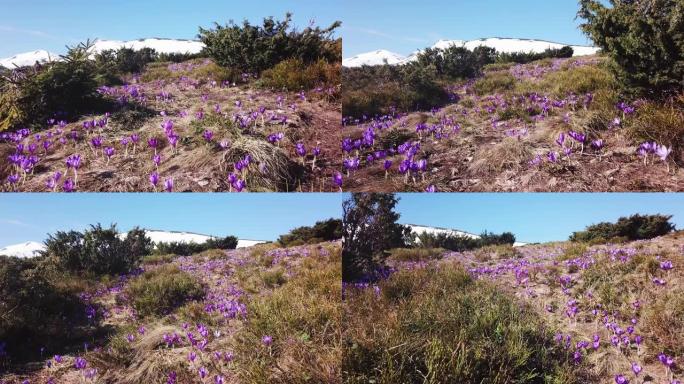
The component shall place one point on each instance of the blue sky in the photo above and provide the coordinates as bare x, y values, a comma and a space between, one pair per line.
258, 216
403, 26
533, 217
27, 25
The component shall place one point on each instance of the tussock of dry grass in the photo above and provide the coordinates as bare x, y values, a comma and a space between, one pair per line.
510, 154
416, 254
437, 325
304, 318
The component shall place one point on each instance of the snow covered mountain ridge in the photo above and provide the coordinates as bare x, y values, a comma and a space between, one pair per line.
160, 45
507, 45
33, 248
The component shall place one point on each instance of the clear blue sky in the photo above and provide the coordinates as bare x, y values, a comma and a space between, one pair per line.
27, 25
533, 217
403, 26
257, 216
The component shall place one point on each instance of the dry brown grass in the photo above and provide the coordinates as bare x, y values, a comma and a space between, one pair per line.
509, 154
662, 123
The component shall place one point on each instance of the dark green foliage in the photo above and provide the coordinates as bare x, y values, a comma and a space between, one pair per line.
162, 289
34, 311
635, 227
461, 243
369, 229
378, 90
228, 242
254, 48
178, 57
326, 230
62, 89
128, 60
294, 75
528, 57
644, 38
457, 61
98, 250
191, 248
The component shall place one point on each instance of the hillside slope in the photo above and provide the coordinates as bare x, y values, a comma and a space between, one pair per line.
512, 130
191, 131
268, 315
610, 309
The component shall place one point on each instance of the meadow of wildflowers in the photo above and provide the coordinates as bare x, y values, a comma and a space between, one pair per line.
550, 125
257, 314
604, 313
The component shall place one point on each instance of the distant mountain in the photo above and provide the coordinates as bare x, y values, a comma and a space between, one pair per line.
28, 58
506, 45
374, 58
32, 248
159, 44
418, 229
27, 249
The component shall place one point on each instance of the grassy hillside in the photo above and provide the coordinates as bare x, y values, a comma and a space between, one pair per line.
549, 125
549, 313
262, 314
189, 125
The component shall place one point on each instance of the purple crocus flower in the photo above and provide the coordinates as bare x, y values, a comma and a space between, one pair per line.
267, 340
69, 185
80, 363
579, 137
299, 148
167, 125
337, 179
154, 179
387, 164
73, 161
96, 141
561, 139
620, 379
168, 185
663, 152
597, 144
109, 152
239, 185
153, 142
203, 372
668, 361
352, 164
171, 378
636, 368
431, 189
156, 159
208, 135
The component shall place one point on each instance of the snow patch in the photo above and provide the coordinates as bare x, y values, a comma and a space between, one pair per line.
374, 58
23, 250
28, 58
